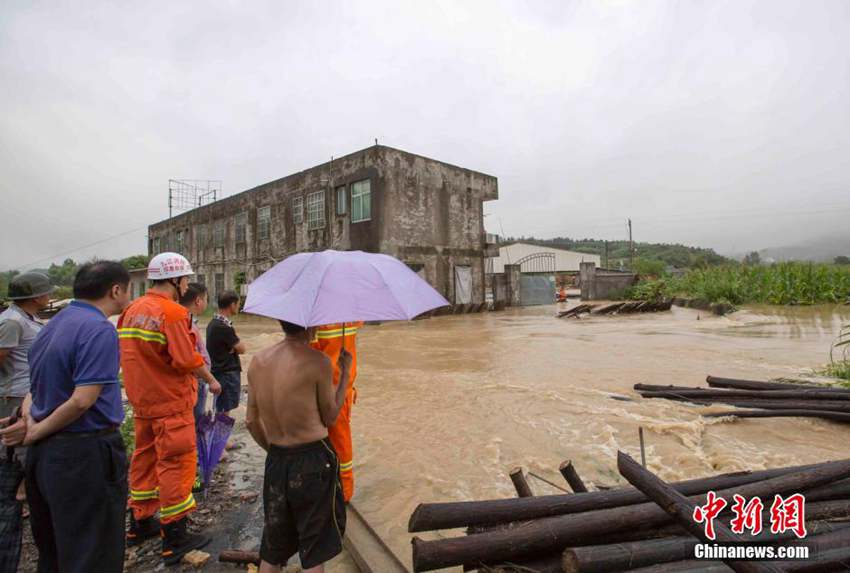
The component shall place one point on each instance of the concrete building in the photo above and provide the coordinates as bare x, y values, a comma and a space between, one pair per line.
138, 282
427, 213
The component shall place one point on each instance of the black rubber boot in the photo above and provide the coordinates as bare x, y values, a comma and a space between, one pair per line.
177, 542
141, 531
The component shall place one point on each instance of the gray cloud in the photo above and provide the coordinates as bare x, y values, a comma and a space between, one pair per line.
709, 123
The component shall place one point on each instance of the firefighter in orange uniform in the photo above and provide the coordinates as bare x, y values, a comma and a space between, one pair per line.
329, 339
160, 362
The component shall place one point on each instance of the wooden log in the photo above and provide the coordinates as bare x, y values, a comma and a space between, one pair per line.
628, 307
621, 556
689, 566
822, 561
546, 564
837, 559
823, 414
682, 510
520, 483
816, 394
607, 308
829, 405
542, 536
717, 382
576, 310
571, 475
241, 557
450, 515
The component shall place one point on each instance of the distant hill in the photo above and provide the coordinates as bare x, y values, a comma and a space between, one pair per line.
824, 249
675, 255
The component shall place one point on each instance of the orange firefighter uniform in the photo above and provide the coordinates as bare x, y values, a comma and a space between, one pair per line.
329, 339
157, 358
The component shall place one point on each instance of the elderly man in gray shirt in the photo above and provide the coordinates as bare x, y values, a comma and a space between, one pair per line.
29, 293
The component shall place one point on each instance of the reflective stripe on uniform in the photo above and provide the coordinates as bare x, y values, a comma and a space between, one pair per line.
141, 334
171, 510
346, 467
141, 495
336, 333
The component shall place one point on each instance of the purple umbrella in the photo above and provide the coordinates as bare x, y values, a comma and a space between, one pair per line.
213, 432
312, 289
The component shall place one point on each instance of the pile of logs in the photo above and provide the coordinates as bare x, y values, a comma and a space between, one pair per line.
760, 399
648, 527
627, 307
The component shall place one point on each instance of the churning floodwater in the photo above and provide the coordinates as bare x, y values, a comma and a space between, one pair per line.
447, 406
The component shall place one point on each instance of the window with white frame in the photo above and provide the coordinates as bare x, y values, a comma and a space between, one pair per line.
264, 220
155, 245
315, 210
341, 200
298, 210
361, 201
241, 227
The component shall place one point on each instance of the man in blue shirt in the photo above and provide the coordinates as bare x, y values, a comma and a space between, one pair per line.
76, 468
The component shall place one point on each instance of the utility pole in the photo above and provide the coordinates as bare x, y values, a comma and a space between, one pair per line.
631, 249
606, 255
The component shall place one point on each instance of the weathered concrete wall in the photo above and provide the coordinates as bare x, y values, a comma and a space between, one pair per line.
425, 212
597, 284
512, 274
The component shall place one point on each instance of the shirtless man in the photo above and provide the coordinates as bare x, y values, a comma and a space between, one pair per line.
291, 403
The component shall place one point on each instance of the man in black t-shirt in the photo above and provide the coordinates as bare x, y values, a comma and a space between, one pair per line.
224, 348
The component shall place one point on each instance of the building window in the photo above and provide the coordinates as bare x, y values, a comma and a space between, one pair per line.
315, 210
178, 243
298, 210
200, 237
264, 221
218, 234
341, 200
155, 248
241, 227
219, 284
361, 201
201, 279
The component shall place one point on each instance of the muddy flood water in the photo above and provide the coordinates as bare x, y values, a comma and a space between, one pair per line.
448, 406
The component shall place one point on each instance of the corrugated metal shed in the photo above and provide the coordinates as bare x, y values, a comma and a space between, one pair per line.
565, 261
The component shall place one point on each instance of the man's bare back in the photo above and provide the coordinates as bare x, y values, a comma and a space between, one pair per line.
291, 397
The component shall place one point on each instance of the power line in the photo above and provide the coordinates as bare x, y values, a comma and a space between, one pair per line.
74, 250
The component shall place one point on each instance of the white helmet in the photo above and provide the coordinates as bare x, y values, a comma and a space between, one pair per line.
169, 266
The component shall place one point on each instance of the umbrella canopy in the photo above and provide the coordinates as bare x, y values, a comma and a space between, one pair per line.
312, 289
213, 431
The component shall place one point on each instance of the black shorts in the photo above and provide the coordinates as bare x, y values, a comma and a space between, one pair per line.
231, 389
303, 504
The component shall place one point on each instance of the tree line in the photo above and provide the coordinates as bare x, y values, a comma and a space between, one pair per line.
62, 276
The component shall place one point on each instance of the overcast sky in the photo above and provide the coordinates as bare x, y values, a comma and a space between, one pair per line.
721, 124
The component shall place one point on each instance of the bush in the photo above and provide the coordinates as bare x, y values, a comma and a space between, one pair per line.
128, 431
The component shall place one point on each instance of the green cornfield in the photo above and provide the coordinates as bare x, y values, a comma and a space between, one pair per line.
779, 283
